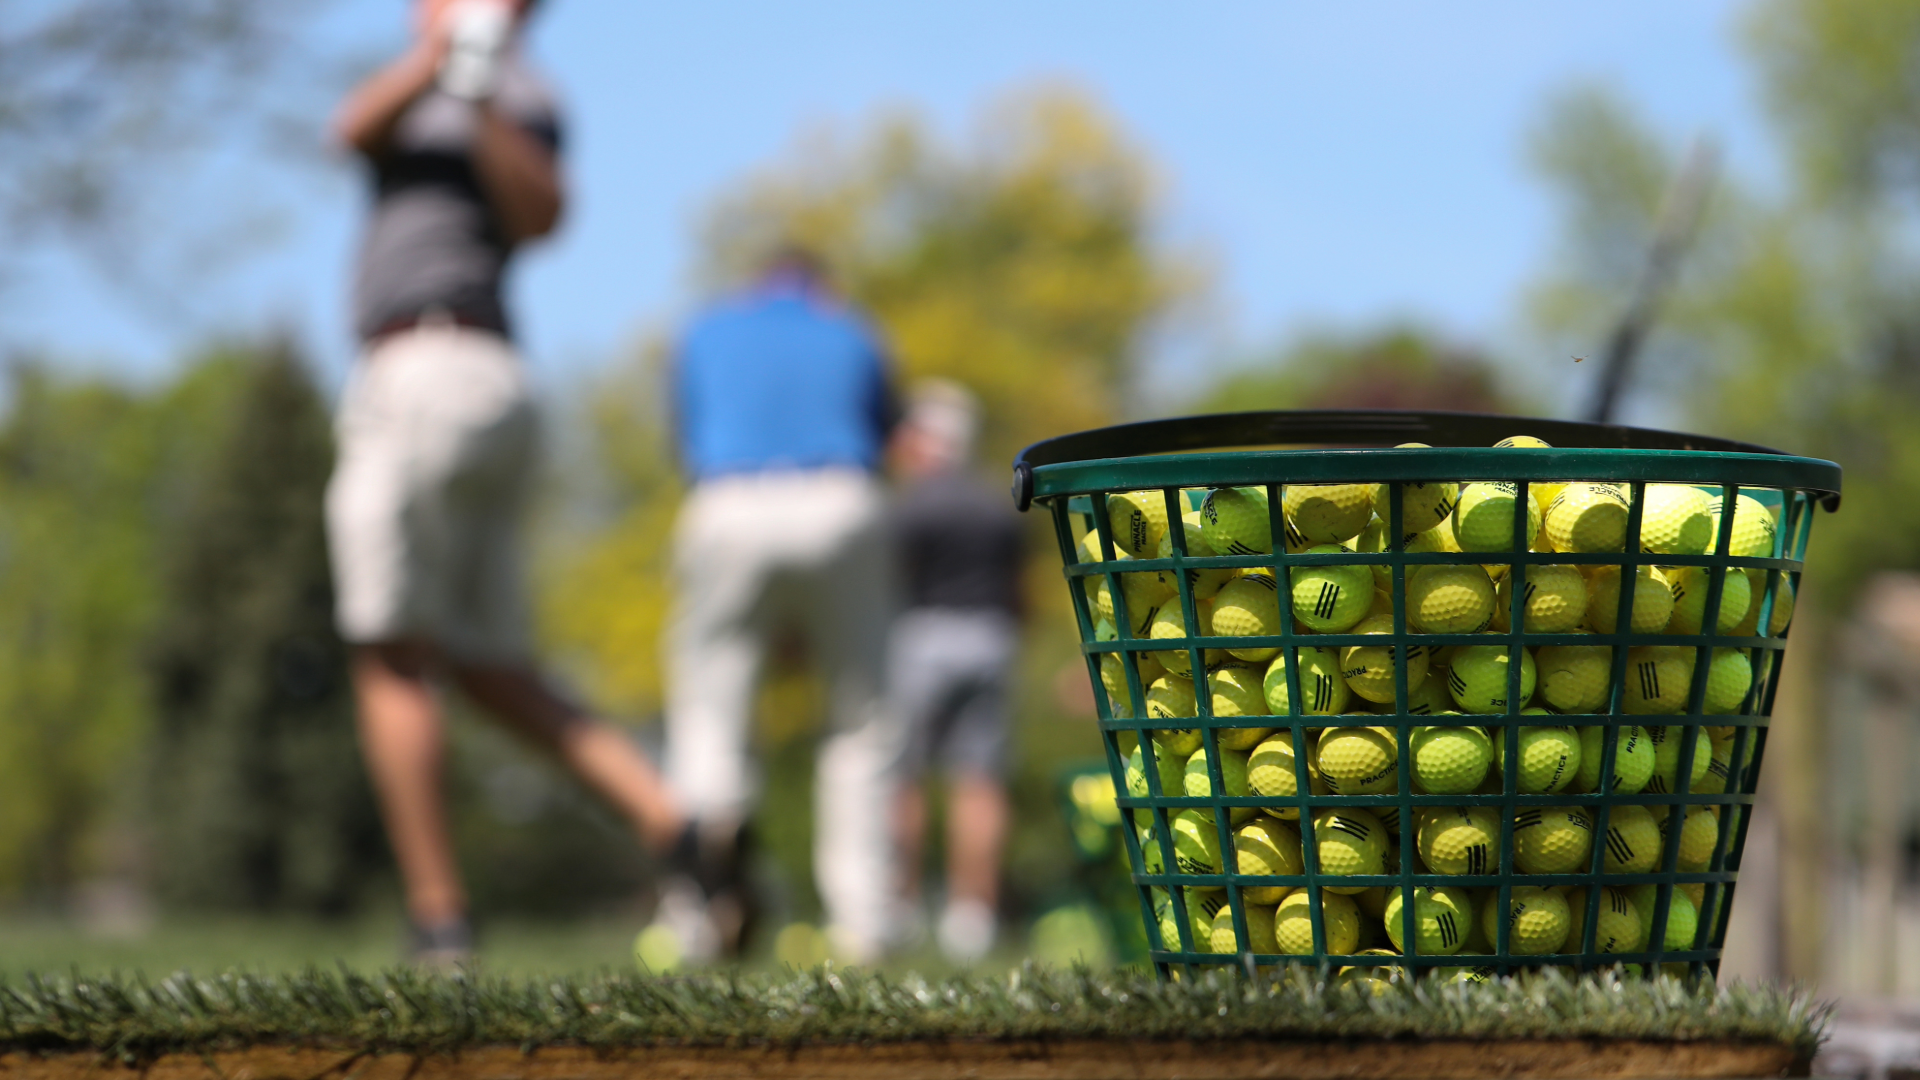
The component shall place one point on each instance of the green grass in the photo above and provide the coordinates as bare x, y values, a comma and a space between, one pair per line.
514, 947
400, 1010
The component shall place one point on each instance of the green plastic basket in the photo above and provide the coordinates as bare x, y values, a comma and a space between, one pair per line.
1183, 459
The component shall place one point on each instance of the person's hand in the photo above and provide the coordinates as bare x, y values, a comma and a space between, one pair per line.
475, 35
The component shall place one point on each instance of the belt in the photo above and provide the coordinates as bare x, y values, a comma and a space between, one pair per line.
433, 317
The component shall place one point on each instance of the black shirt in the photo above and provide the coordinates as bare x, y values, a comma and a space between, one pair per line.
959, 541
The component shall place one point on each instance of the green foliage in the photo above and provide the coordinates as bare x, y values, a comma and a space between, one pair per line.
87, 470
1395, 368
410, 1011
1791, 323
1839, 75
259, 798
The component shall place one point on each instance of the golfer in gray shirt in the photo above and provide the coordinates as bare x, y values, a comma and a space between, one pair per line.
437, 443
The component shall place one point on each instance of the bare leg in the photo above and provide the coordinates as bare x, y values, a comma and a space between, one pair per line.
597, 753
404, 746
909, 837
976, 830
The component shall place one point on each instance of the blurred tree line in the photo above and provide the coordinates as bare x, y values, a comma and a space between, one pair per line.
1795, 323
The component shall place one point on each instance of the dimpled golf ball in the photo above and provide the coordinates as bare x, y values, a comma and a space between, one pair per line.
1113, 677
1172, 773
1450, 600
1170, 624
1143, 593
1266, 847
1323, 692
1574, 678
1483, 519
1171, 698
1632, 843
1348, 840
1198, 783
1616, 930
1373, 540
1248, 606
1782, 607
1658, 679
1203, 583
1682, 919
1271, 774
1138, 520
1368, 669
1201, 906
1553, 602
1478, 678
1375, 979
1678, 520
1632, 759
1327, 513
1652, 600
1196, 843
1667, 745
1359, 760
1719, 768
1260, 937
1235, 521
1537, 921
1544, 491
1729, 678
1753, 527
1697, 837
1442, 918
1459, 839
1552, 839
1690, 585
1330, 599
1430, 698
1449, 760
1549, 759
1463, 976
1236, 691
1422, 505
1588, 518
1293, 923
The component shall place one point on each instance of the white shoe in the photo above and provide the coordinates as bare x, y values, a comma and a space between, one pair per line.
683, 911
967, 930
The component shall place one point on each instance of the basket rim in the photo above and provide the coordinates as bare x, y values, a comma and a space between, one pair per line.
1196, 451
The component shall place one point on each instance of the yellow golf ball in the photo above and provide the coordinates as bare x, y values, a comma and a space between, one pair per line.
1478, 678
1323, 691
1690, 585
1483, 519
1138, 520
1293, 923
1574, 678
1537, 921
1327, 513
1235, 521
1652, 604
1552, 839
1450, 600
1369, 669
1554, 601
1459, 839
1588, 518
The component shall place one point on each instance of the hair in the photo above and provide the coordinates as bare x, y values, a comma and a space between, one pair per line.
791, 258
949, 414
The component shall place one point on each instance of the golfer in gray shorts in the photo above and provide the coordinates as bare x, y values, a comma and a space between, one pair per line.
952, 662
437, 444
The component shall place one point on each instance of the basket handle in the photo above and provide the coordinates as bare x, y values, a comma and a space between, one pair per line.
1340, 427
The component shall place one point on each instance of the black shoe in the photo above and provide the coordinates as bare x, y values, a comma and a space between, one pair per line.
715, 856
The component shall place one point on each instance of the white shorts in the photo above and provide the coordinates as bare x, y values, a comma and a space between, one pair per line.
437, 450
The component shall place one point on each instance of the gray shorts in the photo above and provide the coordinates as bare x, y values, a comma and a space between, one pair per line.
951, 673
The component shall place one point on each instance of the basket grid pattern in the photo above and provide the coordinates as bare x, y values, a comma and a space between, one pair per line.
1783, 564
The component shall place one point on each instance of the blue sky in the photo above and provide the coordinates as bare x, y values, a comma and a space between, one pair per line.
1341, 164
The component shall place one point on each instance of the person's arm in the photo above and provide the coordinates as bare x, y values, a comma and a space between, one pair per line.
366, 119
520, 175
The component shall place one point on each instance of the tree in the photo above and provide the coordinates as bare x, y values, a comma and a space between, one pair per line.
1402, 368
260, 801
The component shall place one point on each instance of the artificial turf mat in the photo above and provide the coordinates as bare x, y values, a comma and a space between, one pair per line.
130, 1019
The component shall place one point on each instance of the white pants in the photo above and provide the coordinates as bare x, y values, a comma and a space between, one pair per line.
806, 551
437, 451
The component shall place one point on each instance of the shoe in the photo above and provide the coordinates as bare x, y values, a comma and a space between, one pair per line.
682, 914
966, 932
442, 947
710, 862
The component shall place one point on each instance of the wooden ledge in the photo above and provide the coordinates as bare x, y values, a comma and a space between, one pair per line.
1072, 1059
